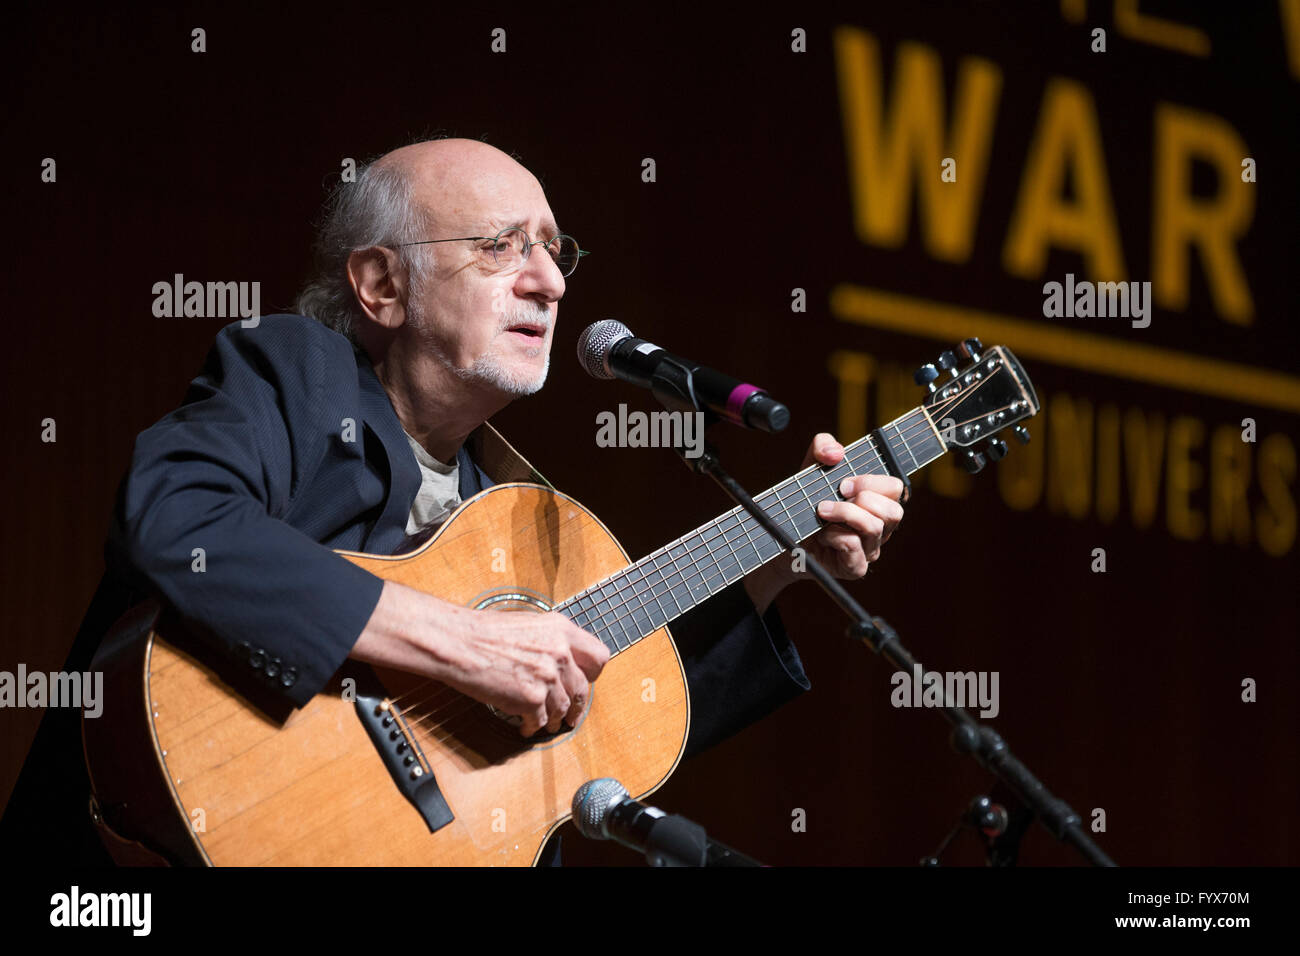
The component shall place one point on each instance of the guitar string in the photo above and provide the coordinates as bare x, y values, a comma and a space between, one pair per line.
694, 554
604, 604
923, 425
443, 712
427, 732
726, 527
599, 602
454, 749
724, 534
697, 549
418, 723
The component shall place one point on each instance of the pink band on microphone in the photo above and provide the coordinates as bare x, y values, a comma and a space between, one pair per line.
736, 400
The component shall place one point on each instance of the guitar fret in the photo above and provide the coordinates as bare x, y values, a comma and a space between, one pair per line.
793, 530
681, 590
841, 471
698, 583
646, 595
699, 551
639, 614
645, 611
583, 609
750, 541
627, 600
728, 556
932, 443
868, 466
667, 587
714, 567
809, 522
906, 447
743, 533
669, 582
812, 505
596, 615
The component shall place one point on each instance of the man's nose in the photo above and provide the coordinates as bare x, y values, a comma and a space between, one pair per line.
541, 276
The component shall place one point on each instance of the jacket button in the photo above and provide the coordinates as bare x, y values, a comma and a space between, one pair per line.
273, 667
257, 659
243, 649
289, 676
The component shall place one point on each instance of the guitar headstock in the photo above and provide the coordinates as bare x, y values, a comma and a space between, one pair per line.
990, 393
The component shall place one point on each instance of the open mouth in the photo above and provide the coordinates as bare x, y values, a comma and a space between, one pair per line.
529, 331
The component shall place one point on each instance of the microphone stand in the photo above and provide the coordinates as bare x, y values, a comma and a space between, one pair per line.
672, 384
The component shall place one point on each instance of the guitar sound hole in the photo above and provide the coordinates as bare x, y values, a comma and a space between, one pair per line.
510, 723
510, 598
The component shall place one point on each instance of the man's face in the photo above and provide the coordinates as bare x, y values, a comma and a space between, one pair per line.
490, 327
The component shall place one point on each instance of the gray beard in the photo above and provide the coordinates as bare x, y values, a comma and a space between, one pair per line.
486, 370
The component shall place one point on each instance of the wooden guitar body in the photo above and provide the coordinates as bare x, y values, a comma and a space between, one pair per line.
387, 768
184, 765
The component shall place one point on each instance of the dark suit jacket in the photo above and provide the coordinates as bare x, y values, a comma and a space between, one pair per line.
256, 469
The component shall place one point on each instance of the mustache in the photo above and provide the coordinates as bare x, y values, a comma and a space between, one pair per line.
538, 315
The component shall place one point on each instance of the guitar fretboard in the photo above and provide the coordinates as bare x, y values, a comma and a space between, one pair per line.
664, 585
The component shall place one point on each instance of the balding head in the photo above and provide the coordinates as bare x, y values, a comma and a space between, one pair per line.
426, 190
455, 181
411, 270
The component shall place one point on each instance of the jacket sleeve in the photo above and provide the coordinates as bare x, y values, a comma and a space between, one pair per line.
739, 666
199, 514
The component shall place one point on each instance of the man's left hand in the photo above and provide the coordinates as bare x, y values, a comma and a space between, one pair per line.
855, 530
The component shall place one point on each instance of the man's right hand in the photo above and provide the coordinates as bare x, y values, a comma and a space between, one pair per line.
536, 666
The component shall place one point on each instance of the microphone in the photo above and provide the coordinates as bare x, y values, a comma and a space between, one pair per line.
602, 810
607, 349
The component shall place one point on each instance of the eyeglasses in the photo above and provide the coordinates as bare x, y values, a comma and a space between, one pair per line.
512, 246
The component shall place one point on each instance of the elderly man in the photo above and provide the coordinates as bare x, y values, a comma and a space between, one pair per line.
434, 310
452, 342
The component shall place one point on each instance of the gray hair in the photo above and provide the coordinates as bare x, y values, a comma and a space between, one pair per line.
379, 209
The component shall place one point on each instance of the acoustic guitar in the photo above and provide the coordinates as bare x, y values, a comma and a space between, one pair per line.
387, 768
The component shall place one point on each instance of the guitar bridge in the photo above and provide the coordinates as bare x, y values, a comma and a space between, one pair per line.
404, 759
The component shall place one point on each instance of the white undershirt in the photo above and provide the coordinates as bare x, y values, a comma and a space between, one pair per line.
439, 493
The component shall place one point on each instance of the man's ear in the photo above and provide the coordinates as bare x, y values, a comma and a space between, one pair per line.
379, 283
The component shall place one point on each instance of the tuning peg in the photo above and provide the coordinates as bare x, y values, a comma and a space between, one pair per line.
972, 461
996, 449
925, 375
1021, 432
948, 361
970, 349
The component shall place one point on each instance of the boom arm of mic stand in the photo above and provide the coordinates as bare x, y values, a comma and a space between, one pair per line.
863, 626
969, 736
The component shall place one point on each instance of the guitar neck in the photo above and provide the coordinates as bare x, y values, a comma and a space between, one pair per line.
662, 586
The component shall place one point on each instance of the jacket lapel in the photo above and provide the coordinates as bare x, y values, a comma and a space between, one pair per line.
403, 470
471, 477
501, 461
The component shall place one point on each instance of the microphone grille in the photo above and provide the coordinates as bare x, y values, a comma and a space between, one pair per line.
594, 345
592, 803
